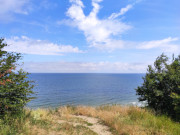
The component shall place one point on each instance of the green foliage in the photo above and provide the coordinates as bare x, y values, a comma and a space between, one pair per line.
161, 87
15, 88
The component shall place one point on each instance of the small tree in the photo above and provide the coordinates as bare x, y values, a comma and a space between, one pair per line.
161, 87
15, 89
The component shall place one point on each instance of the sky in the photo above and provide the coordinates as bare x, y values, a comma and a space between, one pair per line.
90, 36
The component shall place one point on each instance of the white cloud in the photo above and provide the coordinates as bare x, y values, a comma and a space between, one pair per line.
165, 45
122, 12
8, 7
85, 67
78, 2
106, 33
98, 32
30, 46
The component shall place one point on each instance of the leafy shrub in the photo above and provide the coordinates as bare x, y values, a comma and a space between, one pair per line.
161, 87
15, 89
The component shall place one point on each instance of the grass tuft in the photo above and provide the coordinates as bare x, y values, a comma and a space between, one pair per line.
126, 120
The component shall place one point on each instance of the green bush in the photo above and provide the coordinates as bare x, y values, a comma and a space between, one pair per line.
15, 88
161, 87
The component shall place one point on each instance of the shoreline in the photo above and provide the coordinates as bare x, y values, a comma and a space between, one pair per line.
135, 103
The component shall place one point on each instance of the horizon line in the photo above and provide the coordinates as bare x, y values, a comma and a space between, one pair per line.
79, 73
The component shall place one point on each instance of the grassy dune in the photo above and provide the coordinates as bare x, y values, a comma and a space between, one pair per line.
69, 120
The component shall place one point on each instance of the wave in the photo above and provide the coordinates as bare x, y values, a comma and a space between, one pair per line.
139, 104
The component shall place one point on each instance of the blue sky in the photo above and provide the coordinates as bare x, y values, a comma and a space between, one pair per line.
90, 36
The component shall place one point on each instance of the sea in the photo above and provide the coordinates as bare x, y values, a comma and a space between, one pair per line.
90, 89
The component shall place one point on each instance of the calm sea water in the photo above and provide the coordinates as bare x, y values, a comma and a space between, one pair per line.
55, 90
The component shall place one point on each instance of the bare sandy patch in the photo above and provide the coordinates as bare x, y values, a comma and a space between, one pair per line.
100, 129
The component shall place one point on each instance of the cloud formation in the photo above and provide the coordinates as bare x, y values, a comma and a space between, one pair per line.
99, 33
9, 7
106, 33
39, 47
166, 45
85, 67
122, 12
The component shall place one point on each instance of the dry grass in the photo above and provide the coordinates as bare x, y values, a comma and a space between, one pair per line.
121, 120
45, 122
128, 120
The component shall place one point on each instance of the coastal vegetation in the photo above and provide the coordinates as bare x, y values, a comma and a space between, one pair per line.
83, 120
161, 87
15, 89
160, 90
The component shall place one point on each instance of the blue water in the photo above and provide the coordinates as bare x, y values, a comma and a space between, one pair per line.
55, 90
